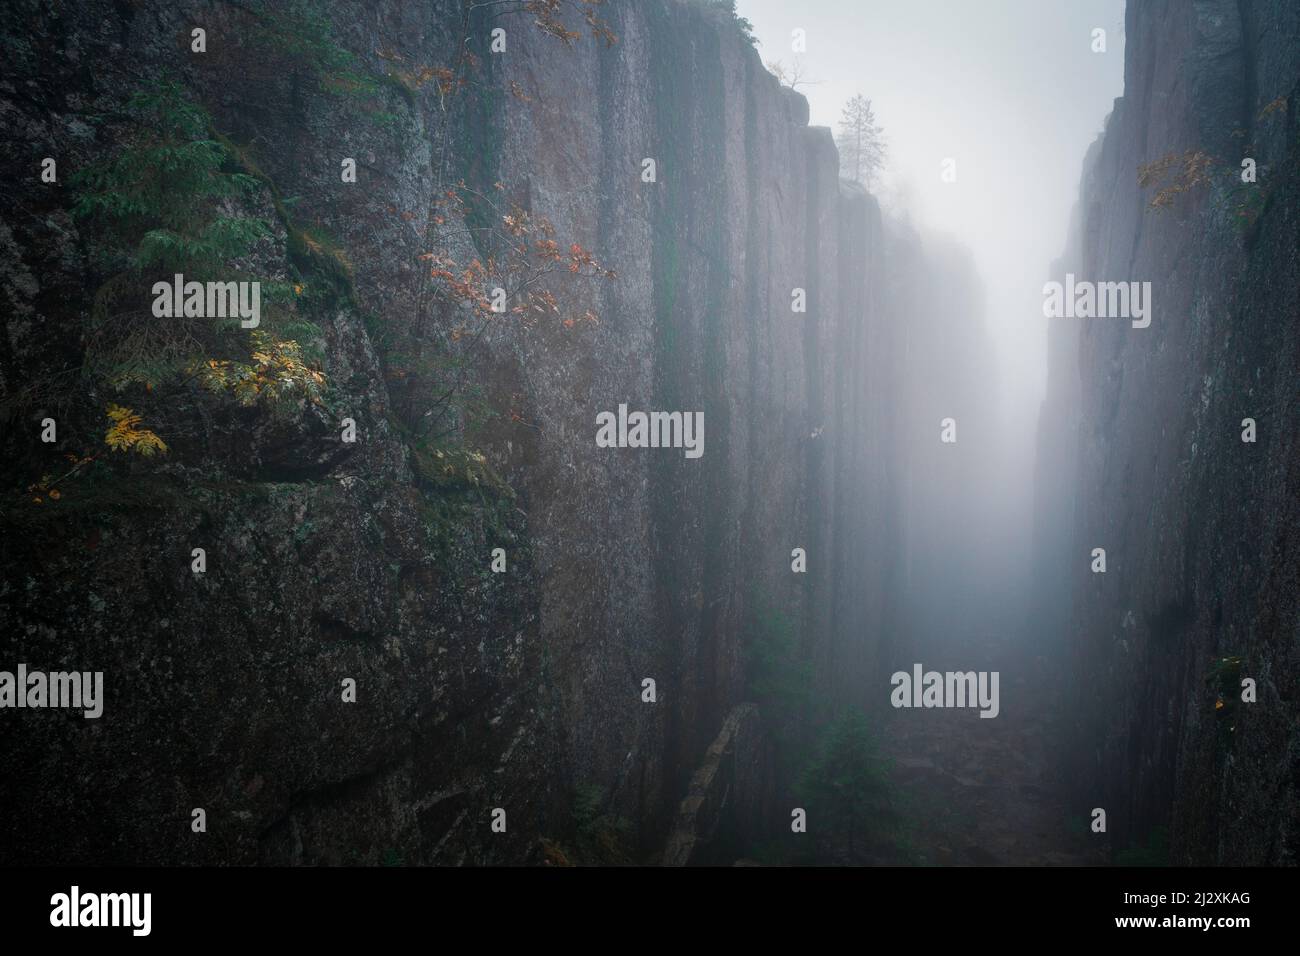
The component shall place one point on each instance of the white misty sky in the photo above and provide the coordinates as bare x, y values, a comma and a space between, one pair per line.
1009, 88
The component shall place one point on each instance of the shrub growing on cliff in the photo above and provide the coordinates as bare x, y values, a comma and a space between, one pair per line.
169, 202
1172, 175
486, 258
155, 208
1175, 175
743, 24
155, 199
793, 76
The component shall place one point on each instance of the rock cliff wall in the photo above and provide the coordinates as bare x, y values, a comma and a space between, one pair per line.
475, 690
1141, 449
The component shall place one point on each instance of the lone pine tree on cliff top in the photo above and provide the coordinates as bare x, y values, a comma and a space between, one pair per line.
861, 142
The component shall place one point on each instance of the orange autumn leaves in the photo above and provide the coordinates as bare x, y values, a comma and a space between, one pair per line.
510, 282
1189, 171
276, 372
547, 18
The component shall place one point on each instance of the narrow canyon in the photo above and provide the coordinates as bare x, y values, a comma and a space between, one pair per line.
366, 581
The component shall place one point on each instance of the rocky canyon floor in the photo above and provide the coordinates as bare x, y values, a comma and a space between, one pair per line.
985, 792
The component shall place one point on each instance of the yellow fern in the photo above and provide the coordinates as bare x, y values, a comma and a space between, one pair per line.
126, 435
277, 372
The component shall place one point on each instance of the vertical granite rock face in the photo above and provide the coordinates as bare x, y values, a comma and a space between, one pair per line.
651, 562
476, 690
1200, 528
324, 562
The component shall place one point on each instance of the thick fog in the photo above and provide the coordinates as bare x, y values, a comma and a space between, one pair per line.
1013, 92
